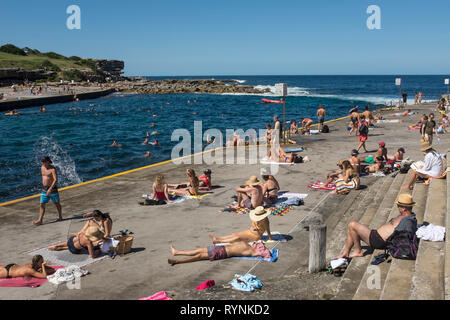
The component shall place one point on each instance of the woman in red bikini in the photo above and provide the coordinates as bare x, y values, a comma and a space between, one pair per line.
160, 190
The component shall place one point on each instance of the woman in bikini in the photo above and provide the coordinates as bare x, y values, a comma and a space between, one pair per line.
347, 180
355, 119
100, 220
205, 180
76, 243
260, 224
36, 268
189, 188
270, 187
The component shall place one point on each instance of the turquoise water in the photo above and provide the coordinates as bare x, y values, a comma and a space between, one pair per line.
80, 144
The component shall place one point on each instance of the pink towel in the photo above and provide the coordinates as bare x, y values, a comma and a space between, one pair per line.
23, 282
205, 285
162, 295
319, 185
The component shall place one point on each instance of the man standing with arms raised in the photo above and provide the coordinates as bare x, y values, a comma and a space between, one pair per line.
49, 190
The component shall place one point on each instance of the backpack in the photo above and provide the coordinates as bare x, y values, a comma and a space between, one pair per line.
325, 129
403, 245
363, 129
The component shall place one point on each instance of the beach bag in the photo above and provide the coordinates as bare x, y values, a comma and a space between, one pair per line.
363, 129
325, 129
403, 245
125, 243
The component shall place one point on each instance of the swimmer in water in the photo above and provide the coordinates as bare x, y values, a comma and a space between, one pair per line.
115, 144
153, 125
194, 112
154, 133
156, 143
155, 115
145, 141
147, 154
43, 109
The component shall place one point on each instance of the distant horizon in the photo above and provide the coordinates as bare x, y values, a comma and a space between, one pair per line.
288, 75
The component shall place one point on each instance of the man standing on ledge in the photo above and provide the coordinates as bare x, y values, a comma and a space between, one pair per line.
321, 113
49, 191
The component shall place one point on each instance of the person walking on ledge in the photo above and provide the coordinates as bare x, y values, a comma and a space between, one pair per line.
49, 190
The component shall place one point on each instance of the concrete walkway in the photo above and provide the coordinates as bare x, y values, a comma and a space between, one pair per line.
185, 225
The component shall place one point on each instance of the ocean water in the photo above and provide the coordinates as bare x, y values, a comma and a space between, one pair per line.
80, 144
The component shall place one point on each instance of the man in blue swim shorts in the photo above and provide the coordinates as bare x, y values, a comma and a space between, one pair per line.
49, 190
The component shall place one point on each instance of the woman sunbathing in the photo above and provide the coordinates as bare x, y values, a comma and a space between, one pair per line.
237, 249
188, 188
205, 180
36, 268
270, 187
286, 158
76, 243
260, 224
347, 180
100, 220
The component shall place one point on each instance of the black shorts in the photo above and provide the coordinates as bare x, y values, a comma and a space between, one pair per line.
376, 241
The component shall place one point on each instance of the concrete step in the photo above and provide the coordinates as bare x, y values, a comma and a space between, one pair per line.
397, 285
355, 270
428, 276
367, 207
447, 240
374, 277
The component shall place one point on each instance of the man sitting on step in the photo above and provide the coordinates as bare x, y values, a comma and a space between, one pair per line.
376, 239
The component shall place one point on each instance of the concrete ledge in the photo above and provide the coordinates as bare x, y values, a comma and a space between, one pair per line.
40, 101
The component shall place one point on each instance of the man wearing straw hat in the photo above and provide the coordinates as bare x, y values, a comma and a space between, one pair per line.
430, 168
376, 239
250, 195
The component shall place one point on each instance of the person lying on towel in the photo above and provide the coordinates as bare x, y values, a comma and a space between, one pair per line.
260, 224
36, 268
76, 244
215, 252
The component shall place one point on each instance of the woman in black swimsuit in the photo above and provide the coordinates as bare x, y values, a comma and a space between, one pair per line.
76, 244
354, 117
270, 188
37, 269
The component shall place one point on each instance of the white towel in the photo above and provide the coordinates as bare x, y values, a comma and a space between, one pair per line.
431, 232
108, 243
66, 274
339, 262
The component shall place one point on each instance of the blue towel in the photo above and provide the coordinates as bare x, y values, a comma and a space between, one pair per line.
273, 258
247, 282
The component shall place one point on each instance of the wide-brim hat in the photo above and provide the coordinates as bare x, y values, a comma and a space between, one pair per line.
253, 181
93, 234
425, 146
258, 214
405, 199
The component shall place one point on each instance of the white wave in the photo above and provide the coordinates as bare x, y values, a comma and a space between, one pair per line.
61, 160
240, 81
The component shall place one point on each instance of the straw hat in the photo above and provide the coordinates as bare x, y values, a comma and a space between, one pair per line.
425, 146
93, 234
258, 214
253, 181
406, 200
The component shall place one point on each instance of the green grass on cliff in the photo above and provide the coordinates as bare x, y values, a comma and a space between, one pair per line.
39, 61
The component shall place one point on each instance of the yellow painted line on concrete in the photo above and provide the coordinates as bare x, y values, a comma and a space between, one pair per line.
137, 169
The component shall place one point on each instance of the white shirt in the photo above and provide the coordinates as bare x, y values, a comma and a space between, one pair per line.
433, 165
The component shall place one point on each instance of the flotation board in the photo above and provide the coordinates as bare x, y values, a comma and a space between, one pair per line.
271, 101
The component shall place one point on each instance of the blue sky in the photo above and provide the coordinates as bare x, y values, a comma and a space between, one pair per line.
246, 37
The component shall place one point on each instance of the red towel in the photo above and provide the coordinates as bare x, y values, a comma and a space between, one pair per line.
161, 295
205, 285
23, 282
